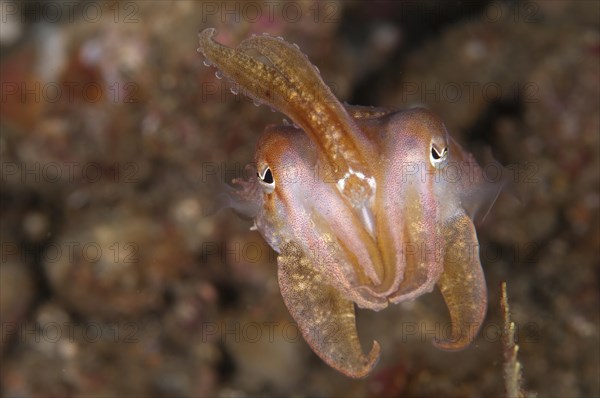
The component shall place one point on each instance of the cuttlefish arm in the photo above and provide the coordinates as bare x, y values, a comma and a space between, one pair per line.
325, 318
462, 283
360, 112
289, 83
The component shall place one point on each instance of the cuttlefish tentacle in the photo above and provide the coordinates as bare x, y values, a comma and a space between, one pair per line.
325, 318
462, 283
293, 86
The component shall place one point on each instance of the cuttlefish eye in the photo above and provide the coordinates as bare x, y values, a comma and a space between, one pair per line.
266, 180
438, 155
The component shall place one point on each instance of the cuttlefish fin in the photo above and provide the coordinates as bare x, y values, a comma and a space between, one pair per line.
462, 283
325, 318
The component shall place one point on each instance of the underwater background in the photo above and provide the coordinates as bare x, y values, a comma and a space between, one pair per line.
124, 274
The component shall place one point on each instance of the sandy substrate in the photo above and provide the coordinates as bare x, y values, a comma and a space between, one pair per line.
118, 276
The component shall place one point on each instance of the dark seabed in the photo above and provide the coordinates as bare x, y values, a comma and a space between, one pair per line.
120, 278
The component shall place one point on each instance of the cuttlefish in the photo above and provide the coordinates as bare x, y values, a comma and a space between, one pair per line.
366, 206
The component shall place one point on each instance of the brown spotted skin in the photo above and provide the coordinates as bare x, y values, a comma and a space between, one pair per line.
365, 206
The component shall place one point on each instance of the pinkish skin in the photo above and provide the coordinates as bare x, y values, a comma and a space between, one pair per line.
364, 205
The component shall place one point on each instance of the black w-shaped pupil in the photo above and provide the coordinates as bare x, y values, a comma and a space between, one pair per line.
435, 154
268, 177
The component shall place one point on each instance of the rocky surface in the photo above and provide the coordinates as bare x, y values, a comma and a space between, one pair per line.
119, 275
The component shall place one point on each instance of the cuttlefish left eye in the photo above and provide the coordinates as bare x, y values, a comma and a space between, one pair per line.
266, 180
438, 154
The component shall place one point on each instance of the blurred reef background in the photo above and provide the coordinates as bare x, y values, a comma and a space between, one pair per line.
118, 278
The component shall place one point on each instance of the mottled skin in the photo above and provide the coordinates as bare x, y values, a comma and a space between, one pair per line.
364, 205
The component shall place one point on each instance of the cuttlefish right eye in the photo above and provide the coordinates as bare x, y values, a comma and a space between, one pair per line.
266, 180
